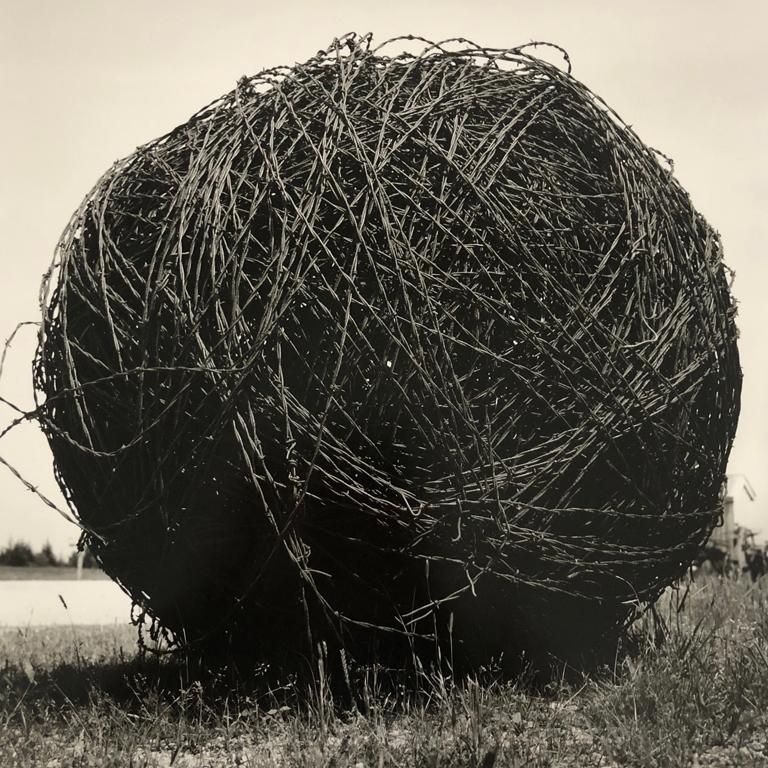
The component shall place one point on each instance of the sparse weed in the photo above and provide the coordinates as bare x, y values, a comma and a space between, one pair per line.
696, 684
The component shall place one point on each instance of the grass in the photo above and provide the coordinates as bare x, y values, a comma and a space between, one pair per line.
47, 572
693, 693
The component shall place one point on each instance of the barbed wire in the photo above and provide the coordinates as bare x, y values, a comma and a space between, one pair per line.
375, 340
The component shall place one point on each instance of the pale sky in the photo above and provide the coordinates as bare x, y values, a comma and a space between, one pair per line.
83, 82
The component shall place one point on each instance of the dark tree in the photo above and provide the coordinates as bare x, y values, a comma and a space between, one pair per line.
47, 556
18, 553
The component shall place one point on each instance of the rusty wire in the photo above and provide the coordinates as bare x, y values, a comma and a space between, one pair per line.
392, 345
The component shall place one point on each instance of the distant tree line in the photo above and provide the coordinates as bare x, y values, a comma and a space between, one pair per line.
20, 554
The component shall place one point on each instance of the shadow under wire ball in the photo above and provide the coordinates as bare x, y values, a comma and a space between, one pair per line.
392, 351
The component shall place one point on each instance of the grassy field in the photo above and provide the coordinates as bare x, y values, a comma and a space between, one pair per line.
695, 693
47, 572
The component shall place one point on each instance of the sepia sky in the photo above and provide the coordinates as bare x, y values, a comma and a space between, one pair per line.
82, 83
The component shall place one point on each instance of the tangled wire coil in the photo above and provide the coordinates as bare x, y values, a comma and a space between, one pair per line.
392, 347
